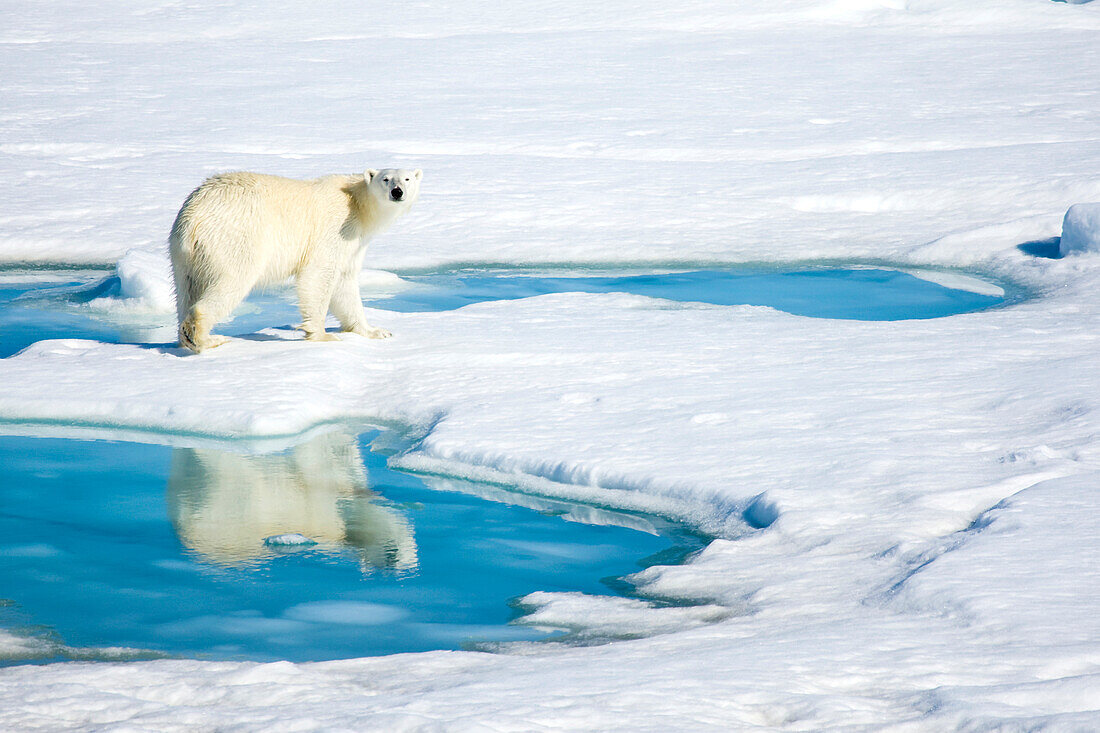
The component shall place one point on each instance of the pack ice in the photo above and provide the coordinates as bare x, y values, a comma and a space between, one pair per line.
906, 511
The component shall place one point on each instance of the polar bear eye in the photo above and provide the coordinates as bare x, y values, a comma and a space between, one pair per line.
386, 179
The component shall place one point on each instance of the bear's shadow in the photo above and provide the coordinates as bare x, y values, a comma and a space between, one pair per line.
292, 334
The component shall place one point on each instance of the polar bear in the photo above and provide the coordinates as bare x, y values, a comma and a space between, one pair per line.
240, 230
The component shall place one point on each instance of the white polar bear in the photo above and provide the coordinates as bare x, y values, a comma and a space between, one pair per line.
240, 230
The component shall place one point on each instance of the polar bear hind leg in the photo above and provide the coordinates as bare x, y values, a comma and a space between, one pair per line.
211, 279
213, 305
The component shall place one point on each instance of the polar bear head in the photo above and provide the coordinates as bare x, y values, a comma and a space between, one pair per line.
393, 186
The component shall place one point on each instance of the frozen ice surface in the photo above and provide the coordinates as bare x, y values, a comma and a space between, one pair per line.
289, 540
1081, 229
930, 485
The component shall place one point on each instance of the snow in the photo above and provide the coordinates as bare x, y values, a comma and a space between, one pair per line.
1081, 229
905, 510
144, 276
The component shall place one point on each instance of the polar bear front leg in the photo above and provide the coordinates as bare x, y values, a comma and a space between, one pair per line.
347, 306
315, 286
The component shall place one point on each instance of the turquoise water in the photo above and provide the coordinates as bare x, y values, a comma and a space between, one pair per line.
65, 308
857, 294
160, 549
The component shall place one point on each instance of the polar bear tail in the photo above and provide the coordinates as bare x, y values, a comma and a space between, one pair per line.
182, 248
179, 248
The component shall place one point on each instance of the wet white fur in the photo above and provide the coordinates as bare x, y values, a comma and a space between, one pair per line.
240, 230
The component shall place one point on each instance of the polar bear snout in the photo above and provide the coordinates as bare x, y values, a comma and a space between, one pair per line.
396, 193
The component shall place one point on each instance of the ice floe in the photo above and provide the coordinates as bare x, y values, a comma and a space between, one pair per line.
902, 508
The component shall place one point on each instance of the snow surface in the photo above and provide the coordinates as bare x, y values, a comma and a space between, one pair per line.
906, 511
1081, 229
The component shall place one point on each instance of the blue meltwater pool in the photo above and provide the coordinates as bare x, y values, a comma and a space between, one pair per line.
83, 308
115, 550
859, 294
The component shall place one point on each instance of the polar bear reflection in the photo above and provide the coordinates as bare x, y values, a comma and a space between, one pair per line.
223, 504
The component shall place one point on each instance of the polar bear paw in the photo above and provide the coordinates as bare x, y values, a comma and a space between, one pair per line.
211, 341
371, 332
321, 336
214, 340
195, 335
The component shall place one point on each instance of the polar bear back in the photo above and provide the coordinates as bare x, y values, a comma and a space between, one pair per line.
263, 226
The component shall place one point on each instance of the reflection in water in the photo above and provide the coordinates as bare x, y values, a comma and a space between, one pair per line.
224, 504
186, 571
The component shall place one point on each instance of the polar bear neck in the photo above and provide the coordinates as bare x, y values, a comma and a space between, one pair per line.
370, 215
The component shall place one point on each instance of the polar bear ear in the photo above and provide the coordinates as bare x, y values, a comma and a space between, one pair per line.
370, 174
418, 173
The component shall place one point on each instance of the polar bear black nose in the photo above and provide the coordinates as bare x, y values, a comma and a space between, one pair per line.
397, 193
